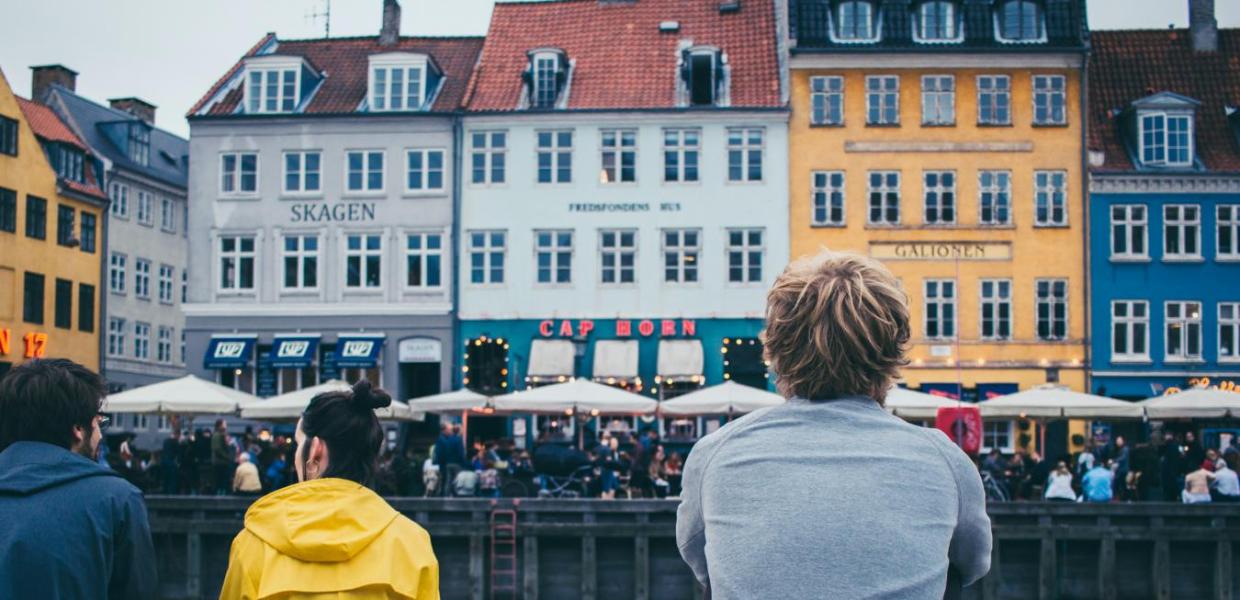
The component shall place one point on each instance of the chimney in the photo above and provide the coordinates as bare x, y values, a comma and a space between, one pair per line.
135, 106
390, 33
1202, 25
43, 76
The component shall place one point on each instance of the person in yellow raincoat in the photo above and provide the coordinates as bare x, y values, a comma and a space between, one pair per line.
331, 536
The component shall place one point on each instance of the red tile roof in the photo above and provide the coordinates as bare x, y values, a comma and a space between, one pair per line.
344, 60
46, 124
1130, 65
622, 60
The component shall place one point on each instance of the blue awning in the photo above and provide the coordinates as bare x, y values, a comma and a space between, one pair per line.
229, 352
293, 351
358, 350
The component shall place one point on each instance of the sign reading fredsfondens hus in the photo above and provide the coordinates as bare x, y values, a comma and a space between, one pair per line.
941, 250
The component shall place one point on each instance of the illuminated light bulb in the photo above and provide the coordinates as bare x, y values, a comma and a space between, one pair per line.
726, 341
569, 412
467, 354
503, 371
658, 379
1076, 362
505, 347
917, 362
724, 350
594, 413
499, 340
465, 381
478, 342
951, 362
503, 384
563, 379
727, 375
1044, 362
981, 362
237, 372
465, 369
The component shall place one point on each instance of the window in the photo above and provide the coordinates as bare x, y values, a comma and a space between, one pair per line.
1227, 235
119, 194
939, 191
701, 73
239, 173
116, 273
88, 233
996, 296
938, 100
116, 337
363, 261
365, 171
64, 224
745, 250
184, 286
163, 346
554, 256
487, 250
272, 90
8, 136
1181, 232
140, 143
182, 354
1183, 331
1049, 100
884, 194
236, 263
167, 215
423, 260
8, 210
1052, 309
940, 305
994, 100
302, 172
882, 100
997, 435
1229, 331
936, 21
36, 217
86, 308
32, 305
1166, 140
165, 284
745, 154
995, 197
618, 256
141, 340
546, 76
142, 278
487, 152
69, 163
828, 194
397, 87
144, 208
301, 262
826, 99
1051, 196
423, 170
856, 21
1128, 232
555, 156
681, 251
1019, 21
681, 148
63, 317
619, 159
1130, 330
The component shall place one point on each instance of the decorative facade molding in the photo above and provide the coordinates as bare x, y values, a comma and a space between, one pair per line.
937, 147
1162, 183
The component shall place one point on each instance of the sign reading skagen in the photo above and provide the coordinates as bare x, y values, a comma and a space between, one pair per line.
348, 212
941, 250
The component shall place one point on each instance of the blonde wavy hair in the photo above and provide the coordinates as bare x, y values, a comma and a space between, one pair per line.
837, 325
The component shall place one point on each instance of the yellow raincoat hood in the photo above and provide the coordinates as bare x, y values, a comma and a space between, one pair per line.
326, 536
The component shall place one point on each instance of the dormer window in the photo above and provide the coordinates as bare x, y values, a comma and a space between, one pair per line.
936, 22
702, 70
140, 144
272, 90
1020, 21
546, 77
855, 21
400, 82
1166, 139
70, 163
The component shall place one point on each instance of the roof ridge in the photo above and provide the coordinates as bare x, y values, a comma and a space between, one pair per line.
353, 38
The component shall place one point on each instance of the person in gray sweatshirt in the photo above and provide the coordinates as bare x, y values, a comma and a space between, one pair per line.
829, 495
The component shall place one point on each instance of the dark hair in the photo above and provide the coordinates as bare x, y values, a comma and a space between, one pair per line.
346, 422
44, 399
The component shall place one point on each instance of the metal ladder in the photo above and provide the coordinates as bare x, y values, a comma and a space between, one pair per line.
504, 551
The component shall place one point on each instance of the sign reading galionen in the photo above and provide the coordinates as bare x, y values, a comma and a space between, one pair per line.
941, 250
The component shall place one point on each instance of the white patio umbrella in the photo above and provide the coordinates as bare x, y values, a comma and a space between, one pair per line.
291, 405
577, 395
187, 395
1195, 403
450, 402
1058, 402
727, 398
908, 404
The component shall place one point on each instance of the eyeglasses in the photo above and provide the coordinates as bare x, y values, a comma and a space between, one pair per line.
104, 422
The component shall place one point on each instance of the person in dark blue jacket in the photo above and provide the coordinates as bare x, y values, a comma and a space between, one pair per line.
70, 528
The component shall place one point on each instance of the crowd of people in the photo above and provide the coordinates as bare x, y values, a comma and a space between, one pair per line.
1170, 467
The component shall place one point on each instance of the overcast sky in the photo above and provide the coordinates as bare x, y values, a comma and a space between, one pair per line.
169, 52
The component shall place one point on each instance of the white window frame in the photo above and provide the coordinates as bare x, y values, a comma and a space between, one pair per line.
300, 255
1045, 186
1050, 300
165, 284
559, 157
676, 143
556, 250
687, 257
141, 340
236, 177
953, 30
1229, 320
622, 143
163, 345
827, 193
617, 251
935, 89
544, 70
990, 429
873, 23
1128, 322
423, 255
261, 103
1128, 227
886, 100
167, 215
302, 173
144, 208
119, 194
1000, 187
826, 100
1227, 218
393, 98
942, 301
1000, 296
885, 190
1185, 321
746, 252
426, 170
1185, 226
1046, 88
142, 278
1155, 136
362, 253
1000, 86
1039, 24
237, 257
933, 197
488, 250
116, 337
365, 172
491, 153
117, 273
741, 146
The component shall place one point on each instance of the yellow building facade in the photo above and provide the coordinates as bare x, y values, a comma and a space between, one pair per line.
49, 281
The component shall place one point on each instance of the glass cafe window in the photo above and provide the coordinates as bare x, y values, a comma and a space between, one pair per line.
486, 365
743, 362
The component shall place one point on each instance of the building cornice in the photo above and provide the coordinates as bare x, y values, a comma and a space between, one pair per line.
1202, 372
316, 310
961, 59
1158, 183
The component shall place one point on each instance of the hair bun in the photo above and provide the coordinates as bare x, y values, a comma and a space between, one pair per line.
366, 397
